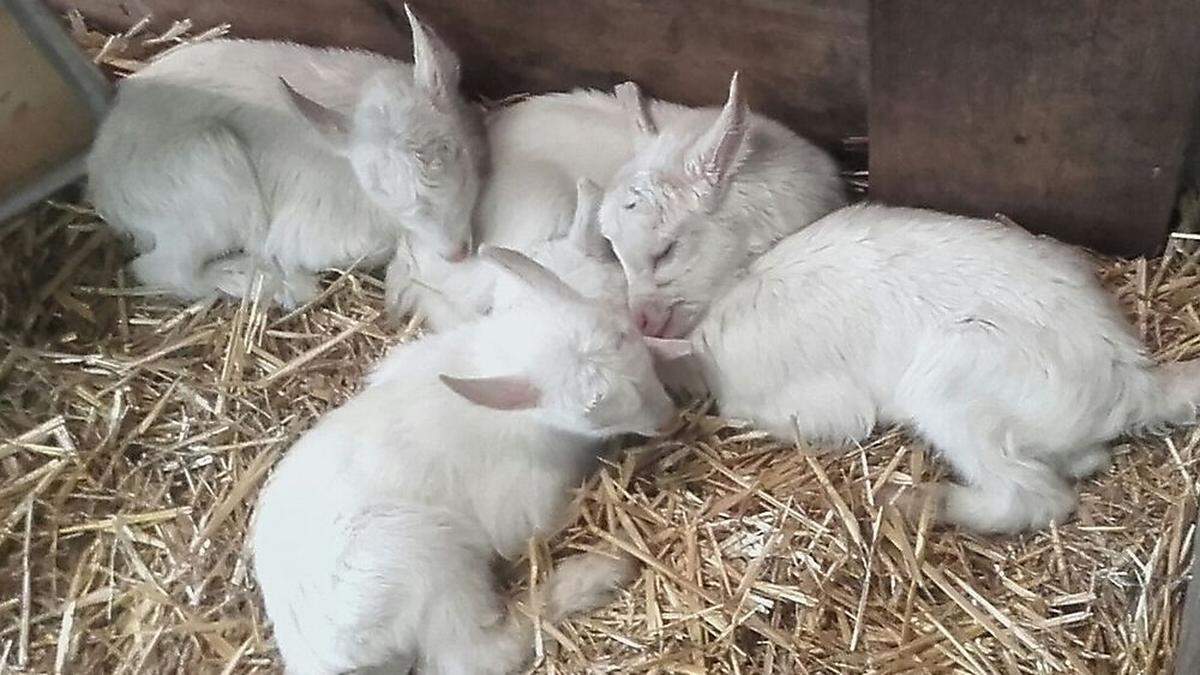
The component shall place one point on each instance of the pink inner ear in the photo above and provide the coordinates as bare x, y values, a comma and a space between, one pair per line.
435, 67
333, 124
717, 150
508, 392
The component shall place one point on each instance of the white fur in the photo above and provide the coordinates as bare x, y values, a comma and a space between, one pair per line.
211, 166
579, 255
448, 294
707, 190
539, 147
372, 541
998, 347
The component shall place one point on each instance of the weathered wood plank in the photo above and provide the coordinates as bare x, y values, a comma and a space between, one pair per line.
1070, 116
804, 63
1187, 655
51, 99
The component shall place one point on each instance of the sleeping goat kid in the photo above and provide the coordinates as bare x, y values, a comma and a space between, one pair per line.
701, 197
999, 347
218, 163
538, 148
449, 294
373, 539
706, 187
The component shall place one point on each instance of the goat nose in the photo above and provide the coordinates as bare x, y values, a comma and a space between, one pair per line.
642, 321
651, 319
459, 253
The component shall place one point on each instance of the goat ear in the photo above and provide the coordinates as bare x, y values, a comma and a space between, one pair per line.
436, 69
331, 124
714, 158
663, 349
537, 278
509, 392
585, 226
637, 109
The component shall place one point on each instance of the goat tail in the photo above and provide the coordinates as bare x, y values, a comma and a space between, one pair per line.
1174, 397
583, 583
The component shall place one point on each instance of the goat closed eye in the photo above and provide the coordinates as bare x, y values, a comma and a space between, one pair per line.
633, 198
596, 398
666, 253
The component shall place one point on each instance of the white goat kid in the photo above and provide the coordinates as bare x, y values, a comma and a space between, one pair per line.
539, 149
372, 541
218, 166
702, 196
540, 146
449, 294
998, 347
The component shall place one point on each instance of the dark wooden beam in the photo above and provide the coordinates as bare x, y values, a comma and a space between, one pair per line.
1070, 116
1187, 654
804, 63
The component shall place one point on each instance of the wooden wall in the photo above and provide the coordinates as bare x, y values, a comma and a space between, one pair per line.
1071, 116
804, 63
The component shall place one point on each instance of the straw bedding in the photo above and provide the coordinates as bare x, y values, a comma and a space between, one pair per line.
139, 430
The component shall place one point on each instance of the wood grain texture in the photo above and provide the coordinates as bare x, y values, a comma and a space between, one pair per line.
803, 62
1070, 116
43, 120
1187, 654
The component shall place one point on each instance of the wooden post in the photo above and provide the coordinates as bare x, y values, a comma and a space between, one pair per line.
1187, 652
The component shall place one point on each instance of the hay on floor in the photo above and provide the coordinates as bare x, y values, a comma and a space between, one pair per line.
138, 431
